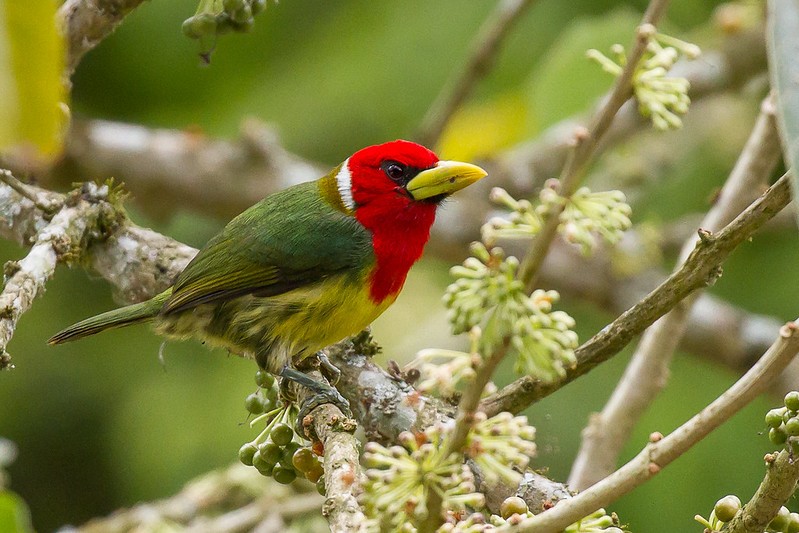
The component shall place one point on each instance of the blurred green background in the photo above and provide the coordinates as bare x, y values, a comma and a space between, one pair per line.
102, 424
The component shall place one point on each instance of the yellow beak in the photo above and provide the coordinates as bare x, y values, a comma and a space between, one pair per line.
445, 178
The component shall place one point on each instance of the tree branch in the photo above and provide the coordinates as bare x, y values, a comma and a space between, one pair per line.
700, 269
777, 487
660, 452
647, 372
87, 22
235, 499
56, 240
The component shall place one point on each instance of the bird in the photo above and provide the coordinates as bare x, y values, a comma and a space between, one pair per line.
307, 266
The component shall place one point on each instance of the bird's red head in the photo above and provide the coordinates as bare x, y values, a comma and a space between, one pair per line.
393, 189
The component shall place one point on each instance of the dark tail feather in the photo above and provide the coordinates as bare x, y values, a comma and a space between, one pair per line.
117, 318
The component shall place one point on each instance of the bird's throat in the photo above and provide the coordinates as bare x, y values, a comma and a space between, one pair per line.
398, 243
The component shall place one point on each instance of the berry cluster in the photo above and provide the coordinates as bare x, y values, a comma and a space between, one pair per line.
216, 17
278, 452
784, 423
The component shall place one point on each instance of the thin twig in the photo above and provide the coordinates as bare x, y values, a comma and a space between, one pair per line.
700, 269
647, 372
484, 50
586, 141
662, 451
48, 203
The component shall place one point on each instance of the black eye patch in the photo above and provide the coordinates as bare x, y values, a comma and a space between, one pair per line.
399, 173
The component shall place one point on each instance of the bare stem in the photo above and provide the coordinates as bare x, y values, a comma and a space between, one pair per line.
660, 452
586, 141
484, 50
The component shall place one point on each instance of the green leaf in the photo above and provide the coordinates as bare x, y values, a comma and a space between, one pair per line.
14, 514
32, 54
782, 36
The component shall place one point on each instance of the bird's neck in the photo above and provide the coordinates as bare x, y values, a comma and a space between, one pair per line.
398, 239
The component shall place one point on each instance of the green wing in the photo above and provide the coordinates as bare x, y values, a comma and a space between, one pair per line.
289, 239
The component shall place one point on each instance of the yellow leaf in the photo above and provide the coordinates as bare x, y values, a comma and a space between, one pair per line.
32, 92
481, 129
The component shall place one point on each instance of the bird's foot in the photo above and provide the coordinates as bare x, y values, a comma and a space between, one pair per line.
328, 369
323, 393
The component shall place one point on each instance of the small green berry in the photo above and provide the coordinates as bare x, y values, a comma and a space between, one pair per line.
257, 6
793, 525
254, 404
270, 452
262, 465
792, 426
287, 455
264, 379
511, 506
777, 436
315, 472
727, 507
232, 5
781, 521
200, 25
246, 453
284, 475
320, 486
282, 434
774, 418
303, 460
241, 15
792, 400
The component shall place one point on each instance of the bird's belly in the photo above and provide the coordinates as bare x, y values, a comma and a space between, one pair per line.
276, 329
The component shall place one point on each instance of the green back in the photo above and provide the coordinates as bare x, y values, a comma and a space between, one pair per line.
289, 239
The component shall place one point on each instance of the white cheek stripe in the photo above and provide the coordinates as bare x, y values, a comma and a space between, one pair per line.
344, 183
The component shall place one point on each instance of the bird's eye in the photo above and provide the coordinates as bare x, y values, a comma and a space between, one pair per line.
395, 171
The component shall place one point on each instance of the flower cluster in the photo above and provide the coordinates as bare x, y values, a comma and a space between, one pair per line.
486, 292
444, 373
523, 220
399, 478
661, 97
588, 215
501, 446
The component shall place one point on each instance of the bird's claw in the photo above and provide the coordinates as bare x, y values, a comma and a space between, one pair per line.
328, 369
323, 393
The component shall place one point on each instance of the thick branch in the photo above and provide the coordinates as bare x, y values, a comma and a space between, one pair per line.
700, 269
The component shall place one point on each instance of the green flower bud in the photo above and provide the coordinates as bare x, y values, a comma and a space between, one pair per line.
792, 400
246, 453
727, 507
781, 521
512, 505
